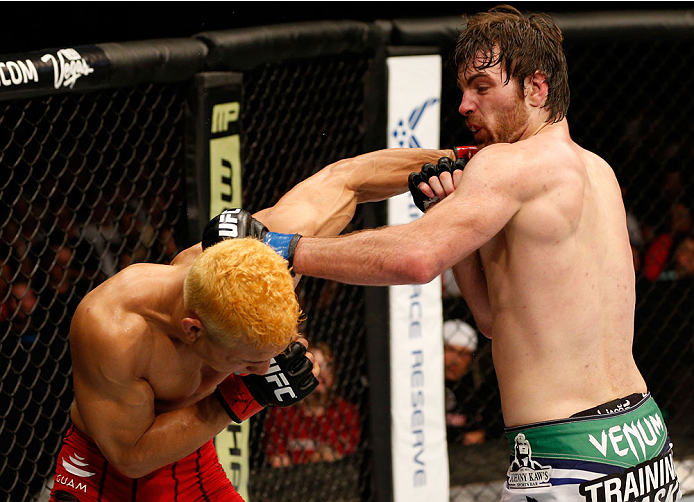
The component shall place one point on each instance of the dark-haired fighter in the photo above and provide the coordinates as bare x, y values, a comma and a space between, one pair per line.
535, 230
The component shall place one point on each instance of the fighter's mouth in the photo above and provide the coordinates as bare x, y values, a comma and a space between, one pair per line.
474, 128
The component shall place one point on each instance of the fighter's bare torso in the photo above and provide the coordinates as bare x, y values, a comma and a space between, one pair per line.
561, 284
144, 346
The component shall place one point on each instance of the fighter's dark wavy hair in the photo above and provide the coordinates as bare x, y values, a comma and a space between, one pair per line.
522, 43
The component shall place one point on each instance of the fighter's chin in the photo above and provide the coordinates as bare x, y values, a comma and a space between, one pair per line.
482, 139
481, 143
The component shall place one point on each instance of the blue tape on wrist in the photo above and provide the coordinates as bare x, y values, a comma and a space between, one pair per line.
279, 242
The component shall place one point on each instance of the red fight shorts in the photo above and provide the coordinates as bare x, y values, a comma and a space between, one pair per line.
83, 474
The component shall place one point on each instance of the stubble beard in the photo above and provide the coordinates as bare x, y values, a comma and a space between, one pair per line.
509, 126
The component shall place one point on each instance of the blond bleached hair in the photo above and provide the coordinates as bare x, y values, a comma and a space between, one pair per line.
241, 288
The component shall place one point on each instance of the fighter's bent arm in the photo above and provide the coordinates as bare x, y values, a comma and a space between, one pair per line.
472, 283
487, 198
117, 409
468, 273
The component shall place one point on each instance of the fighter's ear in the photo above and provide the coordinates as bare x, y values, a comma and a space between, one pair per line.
192, 328
536, 88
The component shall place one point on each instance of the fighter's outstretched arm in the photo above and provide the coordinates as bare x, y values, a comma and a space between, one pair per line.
324, 204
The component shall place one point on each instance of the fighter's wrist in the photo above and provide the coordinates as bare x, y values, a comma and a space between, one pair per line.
237, 400
464, 152
283, 244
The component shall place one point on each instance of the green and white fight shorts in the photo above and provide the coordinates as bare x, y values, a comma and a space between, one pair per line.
618, 452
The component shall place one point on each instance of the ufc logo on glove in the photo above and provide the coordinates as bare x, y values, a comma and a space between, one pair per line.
289, 380
280, 380
229, 223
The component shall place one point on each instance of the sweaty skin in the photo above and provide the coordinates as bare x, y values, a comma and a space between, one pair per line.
536, 233
142, 385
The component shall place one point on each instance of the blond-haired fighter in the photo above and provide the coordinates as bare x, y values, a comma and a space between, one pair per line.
156, 348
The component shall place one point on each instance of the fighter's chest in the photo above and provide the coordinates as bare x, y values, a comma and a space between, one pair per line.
180, 380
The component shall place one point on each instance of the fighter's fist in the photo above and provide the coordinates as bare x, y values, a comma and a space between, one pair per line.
237, 224
444, 165
289, 380
232, 224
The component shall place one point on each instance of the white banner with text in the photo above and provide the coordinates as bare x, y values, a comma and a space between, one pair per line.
419, 450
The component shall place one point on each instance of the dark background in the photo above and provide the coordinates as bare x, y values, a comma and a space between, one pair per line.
29, 26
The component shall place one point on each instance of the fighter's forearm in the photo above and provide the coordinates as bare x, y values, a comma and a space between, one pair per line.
382, 174
172, 436
382, 257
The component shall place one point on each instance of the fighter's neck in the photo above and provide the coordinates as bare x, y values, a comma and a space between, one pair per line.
541, 126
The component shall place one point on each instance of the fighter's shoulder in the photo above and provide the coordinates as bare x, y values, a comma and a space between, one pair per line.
543, 156
593, 162
505, 166
109, 351
124, 284
521, 156
107, 318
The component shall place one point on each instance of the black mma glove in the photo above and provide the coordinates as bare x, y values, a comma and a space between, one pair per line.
289, 380
463, 154
237, 223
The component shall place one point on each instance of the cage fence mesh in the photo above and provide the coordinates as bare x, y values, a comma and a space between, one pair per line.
90, 183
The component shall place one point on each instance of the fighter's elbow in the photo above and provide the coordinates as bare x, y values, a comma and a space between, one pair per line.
418, 267
128, 465
484, 327
127, 468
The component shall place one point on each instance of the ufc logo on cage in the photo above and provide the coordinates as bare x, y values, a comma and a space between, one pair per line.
229, 223
280, 380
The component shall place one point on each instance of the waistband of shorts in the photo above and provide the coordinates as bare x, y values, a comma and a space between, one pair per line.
634, 434
647, 398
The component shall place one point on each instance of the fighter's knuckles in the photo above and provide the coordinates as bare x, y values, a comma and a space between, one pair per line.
460, 164
429, 170
444, 165
414, 179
